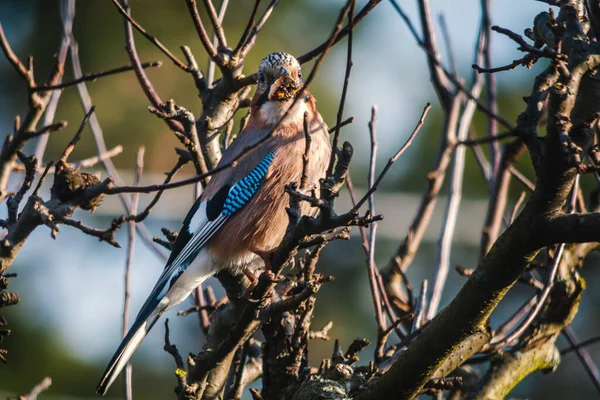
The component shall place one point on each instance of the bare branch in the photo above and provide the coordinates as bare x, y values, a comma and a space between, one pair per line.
124, 11
38, 389
93, 76
584, 356
128, 263
340, 112
544, 294
583, 343
212, 53
394, 158
420, 309
490, 82
97, 130
486, 139
10, 55
343, 32
217, 21
251, 40
249, 26
454, 199
372, 268
307, 141
71, 146
341, 124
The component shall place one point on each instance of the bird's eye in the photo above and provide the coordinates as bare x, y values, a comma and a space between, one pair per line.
261, 78
299, 74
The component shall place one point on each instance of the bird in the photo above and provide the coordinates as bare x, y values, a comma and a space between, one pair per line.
240, 217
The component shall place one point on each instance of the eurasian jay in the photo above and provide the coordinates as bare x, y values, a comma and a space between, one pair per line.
240, 217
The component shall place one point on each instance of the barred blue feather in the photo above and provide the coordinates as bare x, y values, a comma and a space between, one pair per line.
242, 191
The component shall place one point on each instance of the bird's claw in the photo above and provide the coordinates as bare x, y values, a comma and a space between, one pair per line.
270, 277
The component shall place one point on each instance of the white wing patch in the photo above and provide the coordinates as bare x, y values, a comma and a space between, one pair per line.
198, 219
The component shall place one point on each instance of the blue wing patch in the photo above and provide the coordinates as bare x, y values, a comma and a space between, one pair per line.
210, 217
242, 191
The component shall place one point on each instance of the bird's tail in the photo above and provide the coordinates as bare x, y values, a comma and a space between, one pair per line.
130, 343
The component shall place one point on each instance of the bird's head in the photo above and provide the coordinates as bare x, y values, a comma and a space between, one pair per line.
279, 78
279, 81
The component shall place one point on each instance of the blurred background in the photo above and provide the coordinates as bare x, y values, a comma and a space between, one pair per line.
68, 322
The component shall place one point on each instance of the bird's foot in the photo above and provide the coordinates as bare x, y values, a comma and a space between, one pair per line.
270, 276
247, 293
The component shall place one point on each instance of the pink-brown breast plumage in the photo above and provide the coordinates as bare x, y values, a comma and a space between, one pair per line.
260, 225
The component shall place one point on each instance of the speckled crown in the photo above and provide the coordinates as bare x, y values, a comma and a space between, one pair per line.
275, 61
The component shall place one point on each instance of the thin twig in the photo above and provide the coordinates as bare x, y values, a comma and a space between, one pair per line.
71, 146
490, 82
517, 206
100, 143
522, 178
581, 344
527, 60
237, 386
14, 201
249, 26
343, 32
54, 127
553, 269
512, 321
91, 161
486, 139
137, 218
584, 356
202, 35
38, 389
453, 78
140, 73
408, 22
482, 161
210, 76
448, 42
341, 124
420, 309
96, 75
454, 200
217, 21
14, 60
123, 10
394, 158
307, 141
251, 40
386, 302
541, 299
381, 326
128, 264
340, 112
84, 163
180, 372
542, 52
67, 13
42, 179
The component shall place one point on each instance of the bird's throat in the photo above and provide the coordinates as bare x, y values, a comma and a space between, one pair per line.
271, 112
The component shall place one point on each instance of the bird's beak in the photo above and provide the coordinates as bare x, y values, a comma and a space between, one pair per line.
284, 87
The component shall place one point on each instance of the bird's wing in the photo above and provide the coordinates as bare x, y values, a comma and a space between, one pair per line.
205, 218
